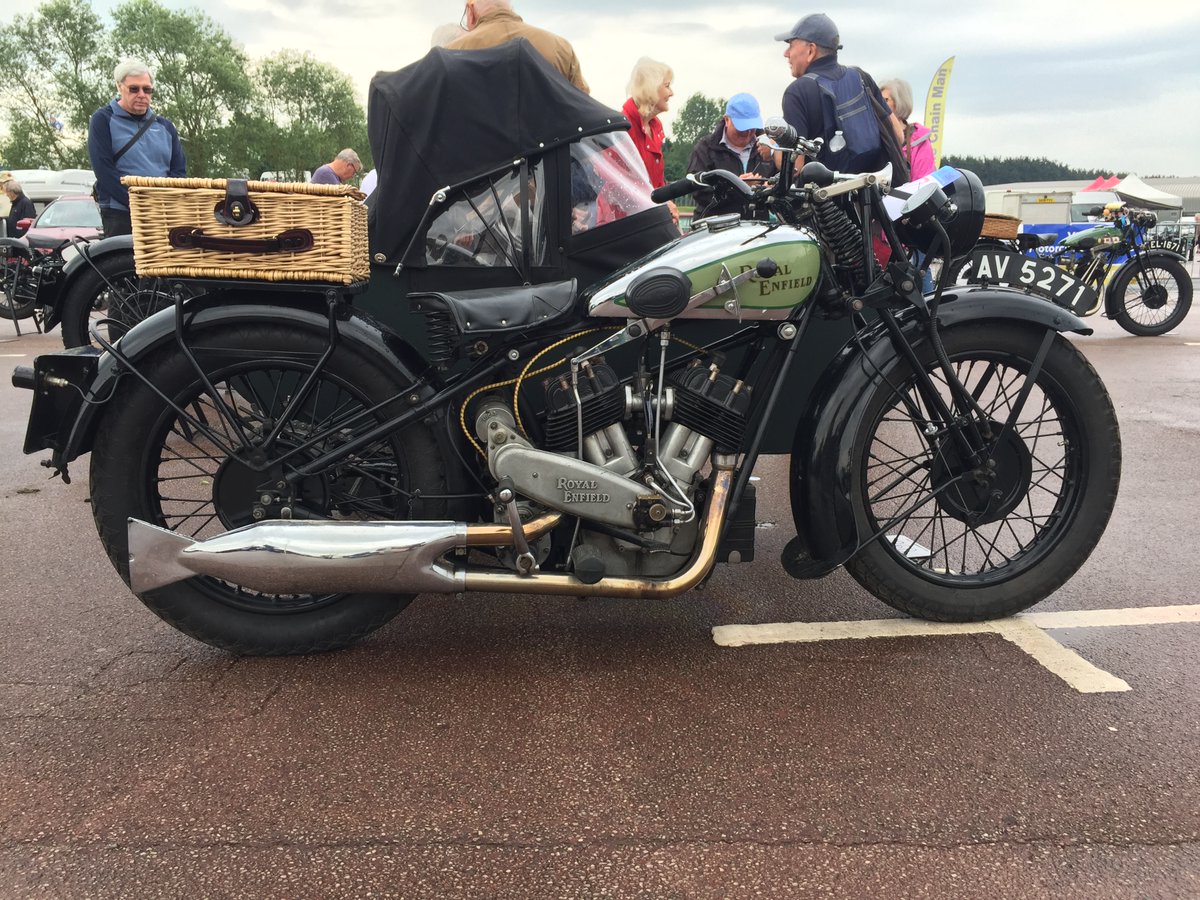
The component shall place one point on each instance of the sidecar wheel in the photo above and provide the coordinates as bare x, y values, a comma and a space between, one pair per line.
151, 464
963, 543
1157, 301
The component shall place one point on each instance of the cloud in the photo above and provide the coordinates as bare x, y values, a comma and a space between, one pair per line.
1109, 87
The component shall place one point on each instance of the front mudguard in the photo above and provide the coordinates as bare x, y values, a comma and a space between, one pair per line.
1112, 303
820, 474
74, 386
51, 297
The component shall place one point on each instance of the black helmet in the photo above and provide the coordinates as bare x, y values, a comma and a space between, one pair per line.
959, 206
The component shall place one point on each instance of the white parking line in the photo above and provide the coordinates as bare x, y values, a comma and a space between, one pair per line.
1024, 631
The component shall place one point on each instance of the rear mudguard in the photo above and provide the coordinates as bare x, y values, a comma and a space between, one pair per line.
89, 254
820, 476
1112, 303
72, 435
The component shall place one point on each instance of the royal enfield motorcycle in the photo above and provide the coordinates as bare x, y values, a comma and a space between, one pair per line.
275, 470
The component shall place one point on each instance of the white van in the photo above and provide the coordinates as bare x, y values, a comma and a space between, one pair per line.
1084, 202
43, 185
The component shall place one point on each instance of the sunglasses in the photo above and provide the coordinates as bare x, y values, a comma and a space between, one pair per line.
138, 89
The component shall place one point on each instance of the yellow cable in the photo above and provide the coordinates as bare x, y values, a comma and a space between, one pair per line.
525, 373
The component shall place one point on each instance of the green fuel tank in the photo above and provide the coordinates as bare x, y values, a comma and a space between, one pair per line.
708, 253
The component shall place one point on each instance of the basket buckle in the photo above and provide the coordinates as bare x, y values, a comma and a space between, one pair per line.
237, 209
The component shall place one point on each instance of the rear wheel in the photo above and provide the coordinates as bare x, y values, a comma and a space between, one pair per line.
152, 464
962, 540
110, 296
1153, 298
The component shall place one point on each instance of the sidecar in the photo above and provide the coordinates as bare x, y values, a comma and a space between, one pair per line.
494, 171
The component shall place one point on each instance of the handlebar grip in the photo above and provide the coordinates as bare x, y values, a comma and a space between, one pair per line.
675, 189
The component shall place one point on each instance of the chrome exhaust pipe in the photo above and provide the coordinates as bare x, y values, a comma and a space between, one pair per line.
301, 557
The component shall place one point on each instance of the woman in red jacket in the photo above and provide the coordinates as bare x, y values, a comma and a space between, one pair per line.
649, 95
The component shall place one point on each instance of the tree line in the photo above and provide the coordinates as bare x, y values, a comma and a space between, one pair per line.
286, 113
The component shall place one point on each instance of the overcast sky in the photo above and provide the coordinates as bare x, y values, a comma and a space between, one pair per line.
1094, 83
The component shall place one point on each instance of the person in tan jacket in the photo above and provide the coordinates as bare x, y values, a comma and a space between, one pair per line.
490, 23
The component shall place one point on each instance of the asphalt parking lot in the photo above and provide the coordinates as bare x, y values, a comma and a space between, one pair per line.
491, 746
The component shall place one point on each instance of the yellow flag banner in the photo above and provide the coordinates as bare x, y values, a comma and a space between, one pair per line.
935, 108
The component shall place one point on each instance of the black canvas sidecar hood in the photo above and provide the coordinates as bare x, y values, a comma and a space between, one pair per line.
458, 114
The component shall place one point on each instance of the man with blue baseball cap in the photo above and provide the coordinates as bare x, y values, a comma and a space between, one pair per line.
731, 147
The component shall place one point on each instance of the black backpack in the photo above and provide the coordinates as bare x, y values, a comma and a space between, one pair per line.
852, 106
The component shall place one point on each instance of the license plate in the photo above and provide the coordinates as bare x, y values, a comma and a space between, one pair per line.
1032, 275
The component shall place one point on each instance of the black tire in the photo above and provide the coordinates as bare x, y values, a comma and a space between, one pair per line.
109, 291
1057, 473
149, 464
15, 279
1152, 300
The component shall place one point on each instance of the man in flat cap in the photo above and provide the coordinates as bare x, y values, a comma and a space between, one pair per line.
829, 100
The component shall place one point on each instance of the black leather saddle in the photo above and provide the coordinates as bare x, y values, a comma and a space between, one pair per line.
501, 310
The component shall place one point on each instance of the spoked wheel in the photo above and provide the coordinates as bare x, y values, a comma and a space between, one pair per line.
18, 295
110, 297
1153, 298
965, 536
178, 472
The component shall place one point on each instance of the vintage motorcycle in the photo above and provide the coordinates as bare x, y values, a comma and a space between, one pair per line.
1139, 281
1149, 289
275, 470
78, 284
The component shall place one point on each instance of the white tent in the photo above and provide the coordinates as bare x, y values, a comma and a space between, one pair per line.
1134, 191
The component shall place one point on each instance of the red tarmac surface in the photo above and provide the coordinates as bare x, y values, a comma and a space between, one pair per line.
516, 747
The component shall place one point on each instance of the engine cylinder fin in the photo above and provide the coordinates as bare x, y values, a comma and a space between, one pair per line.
712, 405
603, 401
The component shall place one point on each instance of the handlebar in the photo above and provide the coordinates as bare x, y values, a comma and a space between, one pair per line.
675, 189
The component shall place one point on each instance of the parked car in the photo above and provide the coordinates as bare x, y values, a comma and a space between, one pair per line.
44, 185
72, 216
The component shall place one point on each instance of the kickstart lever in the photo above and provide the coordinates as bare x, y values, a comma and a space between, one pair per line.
507, 496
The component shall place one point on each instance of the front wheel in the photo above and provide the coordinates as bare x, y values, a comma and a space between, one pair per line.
1153, 298
265, 412
961, 539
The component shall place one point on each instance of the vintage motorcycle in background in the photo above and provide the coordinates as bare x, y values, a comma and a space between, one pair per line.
1138, 280
1145, 283
79, 284
575, 397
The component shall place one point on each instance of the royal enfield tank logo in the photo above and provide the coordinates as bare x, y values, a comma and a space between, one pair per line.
784, 280
581, 490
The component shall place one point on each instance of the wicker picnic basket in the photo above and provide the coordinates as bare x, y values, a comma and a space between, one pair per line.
999, 226
257, 230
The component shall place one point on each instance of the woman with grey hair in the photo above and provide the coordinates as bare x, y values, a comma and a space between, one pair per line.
915, 138
650, 94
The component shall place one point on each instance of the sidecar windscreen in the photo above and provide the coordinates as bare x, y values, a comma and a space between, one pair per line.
459, 115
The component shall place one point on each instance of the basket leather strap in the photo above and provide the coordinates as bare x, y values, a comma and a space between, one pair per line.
294, 240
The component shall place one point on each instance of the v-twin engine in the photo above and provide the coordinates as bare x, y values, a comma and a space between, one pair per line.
608, 481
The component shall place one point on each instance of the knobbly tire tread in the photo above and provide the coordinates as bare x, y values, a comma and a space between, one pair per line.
109, 469
1095, 508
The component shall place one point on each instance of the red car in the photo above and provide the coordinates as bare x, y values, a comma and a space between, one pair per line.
72, 216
